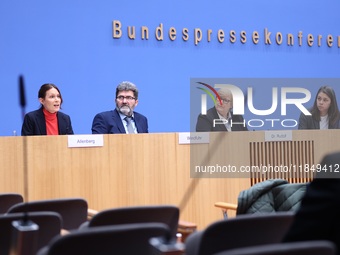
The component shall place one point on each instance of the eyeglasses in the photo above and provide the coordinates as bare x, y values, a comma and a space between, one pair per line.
226, 101
128, 98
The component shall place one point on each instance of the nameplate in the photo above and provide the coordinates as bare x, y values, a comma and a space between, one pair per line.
85, 141
279, 135
193, 137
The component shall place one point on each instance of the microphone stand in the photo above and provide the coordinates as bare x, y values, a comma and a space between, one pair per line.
24, 231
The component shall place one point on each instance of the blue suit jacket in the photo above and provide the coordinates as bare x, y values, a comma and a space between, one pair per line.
35, 123
109, 122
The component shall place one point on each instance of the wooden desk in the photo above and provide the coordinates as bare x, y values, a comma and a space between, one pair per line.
146, 169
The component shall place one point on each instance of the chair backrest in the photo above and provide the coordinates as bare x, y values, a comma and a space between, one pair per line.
241, 231
9, 199
73, 211
49, 226
166, 214
123, 240
315, 247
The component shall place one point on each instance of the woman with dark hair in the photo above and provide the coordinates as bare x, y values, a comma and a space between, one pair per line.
325, 111
47, 120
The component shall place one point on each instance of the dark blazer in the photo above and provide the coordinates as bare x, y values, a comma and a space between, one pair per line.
109, 122
205, 123
308, 122
318, 217
35, 123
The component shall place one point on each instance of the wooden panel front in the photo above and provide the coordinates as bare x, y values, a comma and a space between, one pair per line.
143, 169
284, 159
12, 172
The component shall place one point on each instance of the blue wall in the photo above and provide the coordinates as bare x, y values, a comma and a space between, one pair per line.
70, 43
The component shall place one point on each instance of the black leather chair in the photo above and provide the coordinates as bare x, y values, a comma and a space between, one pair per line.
317, 247
167, 214
242, 231
121, 239
49, 226
72, 210
9, 199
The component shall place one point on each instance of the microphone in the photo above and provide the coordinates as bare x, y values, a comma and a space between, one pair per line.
24, 237
22, 96
22, 101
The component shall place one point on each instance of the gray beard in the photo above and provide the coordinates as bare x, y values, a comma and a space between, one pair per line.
126, 110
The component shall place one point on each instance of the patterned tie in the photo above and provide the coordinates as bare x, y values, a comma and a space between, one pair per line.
129, 125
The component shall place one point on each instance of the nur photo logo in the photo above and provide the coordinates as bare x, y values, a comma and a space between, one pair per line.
280, 99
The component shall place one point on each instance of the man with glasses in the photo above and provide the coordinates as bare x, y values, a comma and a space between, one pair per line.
220, 117
123, 119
